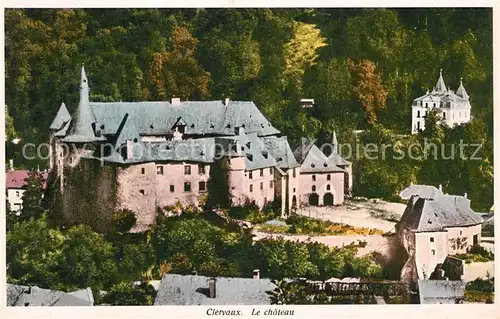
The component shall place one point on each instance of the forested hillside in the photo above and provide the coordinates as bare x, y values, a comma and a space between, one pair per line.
363, 67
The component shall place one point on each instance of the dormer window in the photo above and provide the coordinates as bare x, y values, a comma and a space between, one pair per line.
313, 165
250, 157
211, 126
264, 153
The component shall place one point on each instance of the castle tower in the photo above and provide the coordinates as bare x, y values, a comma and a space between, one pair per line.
82, 128
440, 86
461, 91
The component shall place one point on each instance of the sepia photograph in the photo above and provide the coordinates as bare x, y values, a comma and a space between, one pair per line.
248, 157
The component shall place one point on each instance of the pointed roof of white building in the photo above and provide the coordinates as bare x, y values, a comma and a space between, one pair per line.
62, 117
461, 91
440, 86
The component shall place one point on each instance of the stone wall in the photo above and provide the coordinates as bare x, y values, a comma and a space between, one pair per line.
321, 183
89, 194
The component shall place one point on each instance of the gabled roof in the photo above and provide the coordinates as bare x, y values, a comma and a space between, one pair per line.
61, 119
188, 290
440, 291
422, 191
17, 179
22, 296
436, 214
317, 162
281, 151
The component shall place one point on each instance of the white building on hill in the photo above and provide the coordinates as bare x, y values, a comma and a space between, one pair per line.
454, 107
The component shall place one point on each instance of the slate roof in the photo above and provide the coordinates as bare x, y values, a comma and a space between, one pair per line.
61, 119
440, 291
302, 150
17, 179
317, 162
281, 151
422, 191
445, 97
80, 129
257, 155
21, 296
188, 290
436, 214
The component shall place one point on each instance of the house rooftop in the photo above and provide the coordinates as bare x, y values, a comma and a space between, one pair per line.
21, 296
436, 214
191, 290
17, 178
422, 191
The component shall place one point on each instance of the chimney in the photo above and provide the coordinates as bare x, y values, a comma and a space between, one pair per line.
440, 188
256, 274
211, 287
194, 273
175, 101
465, 195
11, 164
226, 101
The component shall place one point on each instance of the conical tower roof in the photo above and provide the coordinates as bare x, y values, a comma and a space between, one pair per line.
440, 86
81, 130
461, 91
335, 143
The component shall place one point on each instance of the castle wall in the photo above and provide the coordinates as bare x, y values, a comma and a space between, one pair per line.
136, 190
430, 252
174, 175
89, 194
467, 233
321, 183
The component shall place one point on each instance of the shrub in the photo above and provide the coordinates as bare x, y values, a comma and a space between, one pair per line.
123, 220
303, 225
477, 253
274, 228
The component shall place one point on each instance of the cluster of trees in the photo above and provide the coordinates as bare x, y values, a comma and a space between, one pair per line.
41, 252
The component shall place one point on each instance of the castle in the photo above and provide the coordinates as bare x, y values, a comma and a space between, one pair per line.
454, 107
147, 155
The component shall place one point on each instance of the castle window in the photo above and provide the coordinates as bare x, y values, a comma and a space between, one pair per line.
314, 178
328, 177
201, 169
444, 116
460, 233
71, 160
418, 114
250, 175
434, 104
159, 170
261, 172
294, 190
271, 184
418, 125
187, 170
328, 187
172, 188
141, 191
270, 171
202, 186
294, 172
432, 239
426, 104
143, 171
314, 188
187, 187
261, 186
18, 195
433, 252
251, 188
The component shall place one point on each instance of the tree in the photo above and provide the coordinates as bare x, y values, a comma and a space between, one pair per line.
32, 196
177, 72
301, 51
130, 294
368, 88
33, 253
86, 260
